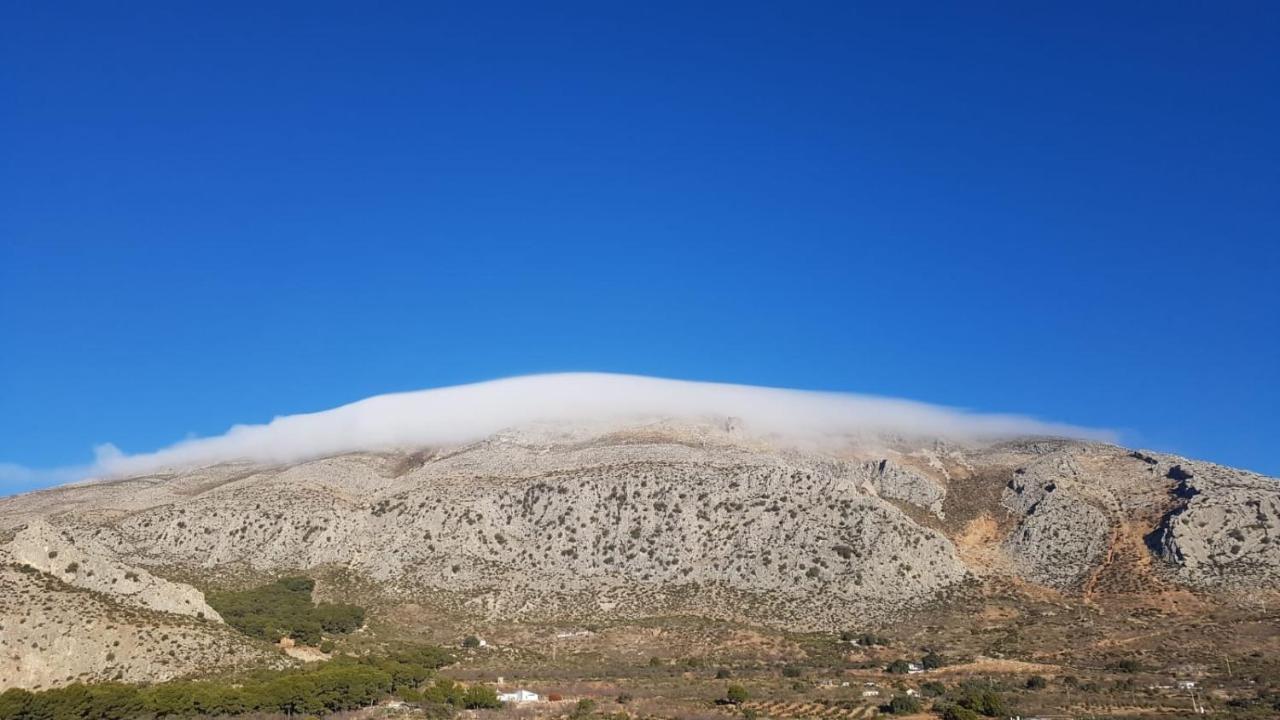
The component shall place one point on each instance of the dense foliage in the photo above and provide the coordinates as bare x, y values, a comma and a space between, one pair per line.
284, 609
898, 667
902, 705
342, 684
445, 692
979, 699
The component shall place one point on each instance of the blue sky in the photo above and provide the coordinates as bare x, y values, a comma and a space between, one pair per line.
217, 214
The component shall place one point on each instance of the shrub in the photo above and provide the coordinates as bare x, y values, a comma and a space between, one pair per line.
981, 700
955, 712
792, 671
471, 641
723, 674
902, 705
585, 707
478, 697
898, 667
1036, 682
736, 694
932, 661
933, 689
1126, 666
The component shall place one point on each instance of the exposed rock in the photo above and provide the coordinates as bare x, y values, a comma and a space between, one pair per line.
1221, 530
52, 633
82, 563
899, 483
562, 522
1061, 534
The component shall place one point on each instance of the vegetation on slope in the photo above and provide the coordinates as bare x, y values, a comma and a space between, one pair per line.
284, 609
341, 684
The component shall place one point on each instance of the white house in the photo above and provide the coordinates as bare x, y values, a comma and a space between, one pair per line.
870, 693
520, 696
914, 668
1186, 684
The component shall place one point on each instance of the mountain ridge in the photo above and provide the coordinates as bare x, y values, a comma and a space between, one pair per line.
554, 522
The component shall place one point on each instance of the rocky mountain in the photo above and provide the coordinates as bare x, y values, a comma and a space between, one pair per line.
550, 523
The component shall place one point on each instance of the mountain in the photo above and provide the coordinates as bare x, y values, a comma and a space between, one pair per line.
562, 523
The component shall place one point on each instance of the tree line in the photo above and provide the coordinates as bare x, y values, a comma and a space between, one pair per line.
341, 684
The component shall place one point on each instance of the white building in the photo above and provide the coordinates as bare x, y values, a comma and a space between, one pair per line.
1186, 684
520, 696
870, 693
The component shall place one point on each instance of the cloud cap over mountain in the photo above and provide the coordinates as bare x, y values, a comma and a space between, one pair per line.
465, 413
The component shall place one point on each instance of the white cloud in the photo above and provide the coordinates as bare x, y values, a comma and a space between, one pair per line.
464, 413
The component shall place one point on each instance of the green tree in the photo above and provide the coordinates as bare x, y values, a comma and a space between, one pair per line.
903, 705
479, 697
15, 704
982, 700
955, 712
898, 667
932, 661
933, 689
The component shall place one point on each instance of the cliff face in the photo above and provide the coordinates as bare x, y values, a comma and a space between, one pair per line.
81, 562
1221, 530
53, 633
689, 518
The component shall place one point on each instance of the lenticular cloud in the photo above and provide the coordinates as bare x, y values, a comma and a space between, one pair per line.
469, 412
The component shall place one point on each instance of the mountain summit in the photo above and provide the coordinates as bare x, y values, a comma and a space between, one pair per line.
596, 521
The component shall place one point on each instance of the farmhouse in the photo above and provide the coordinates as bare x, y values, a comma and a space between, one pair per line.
520, 696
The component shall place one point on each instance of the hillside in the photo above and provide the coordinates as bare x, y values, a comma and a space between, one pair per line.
564, 524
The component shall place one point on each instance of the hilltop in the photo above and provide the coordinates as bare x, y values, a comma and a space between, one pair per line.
583, 523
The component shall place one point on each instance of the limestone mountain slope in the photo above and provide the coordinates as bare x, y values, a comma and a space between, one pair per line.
553, 522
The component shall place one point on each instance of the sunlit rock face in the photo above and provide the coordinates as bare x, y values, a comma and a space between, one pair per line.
709, 516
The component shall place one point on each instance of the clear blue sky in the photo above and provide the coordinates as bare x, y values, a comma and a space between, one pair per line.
216, 213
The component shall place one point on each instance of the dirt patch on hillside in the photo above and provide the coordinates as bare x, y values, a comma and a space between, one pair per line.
979, 545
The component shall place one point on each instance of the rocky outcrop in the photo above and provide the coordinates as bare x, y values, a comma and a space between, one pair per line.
663, 528
894, 481
1061, 534
1221, 531
52, 633
83, 563
556, 522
